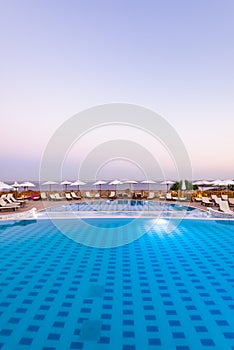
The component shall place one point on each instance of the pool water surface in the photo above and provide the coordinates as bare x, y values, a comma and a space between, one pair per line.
123, 208
165, 290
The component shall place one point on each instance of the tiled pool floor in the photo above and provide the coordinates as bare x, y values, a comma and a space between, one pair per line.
162, 291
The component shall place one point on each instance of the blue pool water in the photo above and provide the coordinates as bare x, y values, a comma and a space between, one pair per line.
123, 207
162, 291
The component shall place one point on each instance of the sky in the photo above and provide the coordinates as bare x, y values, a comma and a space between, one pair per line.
174, 57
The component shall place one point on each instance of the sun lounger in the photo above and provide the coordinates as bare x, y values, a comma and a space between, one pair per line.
43, 196
206, 201
231, 201
68, 196
7, 199
151, 195
112, 195
74, 196
97, 195
5, 205
224, 197
197, 199
182, 199
58, 197
88, 195
11, 199
216, 199
169, 197
224, 207
162, 197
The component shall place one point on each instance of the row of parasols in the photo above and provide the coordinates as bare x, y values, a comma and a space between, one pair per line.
215, 183
201, 183
78, 183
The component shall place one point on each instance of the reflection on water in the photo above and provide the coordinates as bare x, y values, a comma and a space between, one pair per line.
9, 224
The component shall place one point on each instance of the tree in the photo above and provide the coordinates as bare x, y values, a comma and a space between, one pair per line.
189, 186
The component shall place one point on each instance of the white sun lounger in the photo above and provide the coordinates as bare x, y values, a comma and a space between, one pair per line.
169, 197
206, 201
74, 196
151, 195
224, 197
43, 196
58, 197
224, 207
88, 195
68, 196
112, 194
11, 199
5, 205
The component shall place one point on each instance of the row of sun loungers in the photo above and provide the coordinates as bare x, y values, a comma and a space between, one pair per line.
89, 195
224, 204
4, 205
215, 200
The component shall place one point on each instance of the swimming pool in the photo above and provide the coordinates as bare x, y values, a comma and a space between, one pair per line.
162, 291
123, 208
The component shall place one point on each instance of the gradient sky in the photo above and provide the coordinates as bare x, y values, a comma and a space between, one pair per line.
175, 57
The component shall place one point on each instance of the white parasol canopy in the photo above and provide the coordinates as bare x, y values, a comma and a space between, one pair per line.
228, 182
27, 184
130, 182
216, 182
78, 183
49, 183
100, 183
65, 183
224, 183
202, 183
4, 186
16, 185
115, 183
148, 182
167, 183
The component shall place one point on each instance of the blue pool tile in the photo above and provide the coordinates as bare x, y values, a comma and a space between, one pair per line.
222, 322
33, 328
152, 329
201, 329
39, 317
76, 345
174, 323
229, 335
207, 342
178, 335
129, 347
14, 320
128, 334
154, 341
128, 322
54, 336
104, 340
6, 332
26, 341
